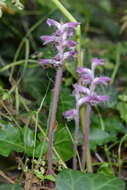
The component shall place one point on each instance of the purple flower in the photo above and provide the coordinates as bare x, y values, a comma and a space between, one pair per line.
48, 39
83, 70
70, 114
96, 62
52, 22
93, 99
101, 80
46, 61
61, 26
69, 43
61, 40
85, 74
81, 89
87, 77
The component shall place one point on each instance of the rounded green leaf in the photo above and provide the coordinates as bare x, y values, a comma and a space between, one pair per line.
76, 180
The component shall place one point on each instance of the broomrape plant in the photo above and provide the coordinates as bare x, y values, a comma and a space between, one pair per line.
65, 49
86, 94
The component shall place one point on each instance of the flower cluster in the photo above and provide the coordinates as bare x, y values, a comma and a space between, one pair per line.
89, 95
61, 39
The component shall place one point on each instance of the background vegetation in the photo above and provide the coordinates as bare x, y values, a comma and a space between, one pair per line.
25, 90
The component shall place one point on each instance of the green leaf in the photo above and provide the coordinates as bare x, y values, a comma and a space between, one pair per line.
73, 180
35, 82
105, 169
63, 144
99, 137
10, 187
122, 108
50, 177
28, 140
10, 140
123, 97
114, 126
30, 144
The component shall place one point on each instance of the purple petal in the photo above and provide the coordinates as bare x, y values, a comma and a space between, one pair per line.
70, 114
96, 62
86, 78
93, 99
71, 25
69, 43
70, 33
82, 70
103, 98
46, 61
81, 89
70, 54
102, 80
52, 22
83, 100
48, 39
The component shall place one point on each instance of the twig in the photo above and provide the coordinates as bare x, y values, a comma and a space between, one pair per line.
6, 177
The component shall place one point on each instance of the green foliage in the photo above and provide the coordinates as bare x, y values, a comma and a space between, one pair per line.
10, 187
10, 140
19, 140
63, 144
101, 24
100, 137
23, 140
122, 108
73, 180
35, 80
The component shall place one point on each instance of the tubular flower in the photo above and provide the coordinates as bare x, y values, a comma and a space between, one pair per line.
87, 77
70, 114
89, 95
66, 47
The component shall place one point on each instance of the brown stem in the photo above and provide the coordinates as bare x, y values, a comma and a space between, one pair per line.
75, 143
85, 146
52, 122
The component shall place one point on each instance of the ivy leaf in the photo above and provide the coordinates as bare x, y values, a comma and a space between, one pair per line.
99, 137
63, 144
73, 180
34, 82
10, 140
114, 126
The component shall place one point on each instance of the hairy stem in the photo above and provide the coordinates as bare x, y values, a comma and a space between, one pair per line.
85, 146
52, 124
75, 143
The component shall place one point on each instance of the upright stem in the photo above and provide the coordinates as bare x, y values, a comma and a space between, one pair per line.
85, 146
75, 143
52, 122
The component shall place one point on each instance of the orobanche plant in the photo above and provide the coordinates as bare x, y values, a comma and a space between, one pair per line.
65, 49
84, 92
